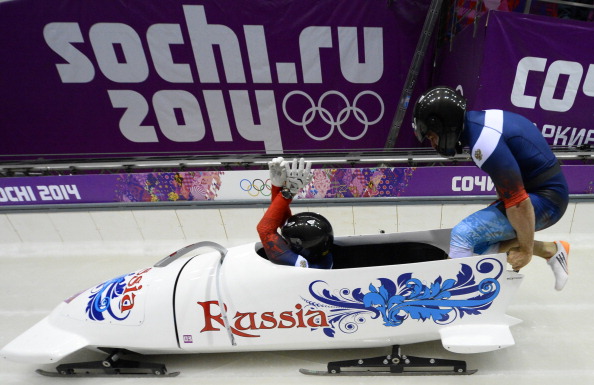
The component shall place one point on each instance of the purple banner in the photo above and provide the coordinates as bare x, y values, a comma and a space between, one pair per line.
537, 66
255, 186
103, 78
57, 190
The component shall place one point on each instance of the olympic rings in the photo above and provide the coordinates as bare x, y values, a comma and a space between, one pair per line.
256, 187
344, 114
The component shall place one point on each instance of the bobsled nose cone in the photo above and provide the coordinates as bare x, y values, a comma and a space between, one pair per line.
43, 344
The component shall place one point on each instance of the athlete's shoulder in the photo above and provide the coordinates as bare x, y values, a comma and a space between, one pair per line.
483, 123
484, 133
475, 114
479, 120
475, 118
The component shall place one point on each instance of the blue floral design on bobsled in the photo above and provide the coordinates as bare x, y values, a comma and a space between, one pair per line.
103, 296
442, 301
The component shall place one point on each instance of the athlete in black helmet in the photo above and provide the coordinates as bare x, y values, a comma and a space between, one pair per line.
306, 237
310, 235
531, 188
439, 113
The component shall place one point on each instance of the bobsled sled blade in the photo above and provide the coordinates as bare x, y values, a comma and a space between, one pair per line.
88, 374
384, 373
394, 364
111, 366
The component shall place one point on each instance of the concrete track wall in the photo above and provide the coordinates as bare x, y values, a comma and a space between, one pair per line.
154, 232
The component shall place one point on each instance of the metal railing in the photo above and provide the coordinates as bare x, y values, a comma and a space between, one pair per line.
408, 157
528, 5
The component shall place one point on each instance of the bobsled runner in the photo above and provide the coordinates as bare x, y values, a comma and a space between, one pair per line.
384, 290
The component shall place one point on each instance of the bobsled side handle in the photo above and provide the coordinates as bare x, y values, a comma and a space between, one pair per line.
172, 257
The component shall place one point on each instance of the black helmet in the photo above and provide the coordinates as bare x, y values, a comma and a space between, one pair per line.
441, 110
309, 234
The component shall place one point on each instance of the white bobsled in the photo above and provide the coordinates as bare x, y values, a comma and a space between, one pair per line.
384, 290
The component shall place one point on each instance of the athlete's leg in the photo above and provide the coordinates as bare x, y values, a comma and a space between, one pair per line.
480, 232
555, 253
489, 231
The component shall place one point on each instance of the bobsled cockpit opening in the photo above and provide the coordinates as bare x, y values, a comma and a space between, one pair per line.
382, 254
393, 253
260, 250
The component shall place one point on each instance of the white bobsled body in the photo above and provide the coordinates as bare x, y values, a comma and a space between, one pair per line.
237, 300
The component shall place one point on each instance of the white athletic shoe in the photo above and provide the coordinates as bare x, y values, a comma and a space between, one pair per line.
559, 263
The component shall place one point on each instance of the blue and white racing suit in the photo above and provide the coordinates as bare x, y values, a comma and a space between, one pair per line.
519, 161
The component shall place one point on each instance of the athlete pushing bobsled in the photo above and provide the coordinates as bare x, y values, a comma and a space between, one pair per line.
531, 187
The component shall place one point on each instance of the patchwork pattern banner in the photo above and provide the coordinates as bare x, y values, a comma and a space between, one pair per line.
250, 185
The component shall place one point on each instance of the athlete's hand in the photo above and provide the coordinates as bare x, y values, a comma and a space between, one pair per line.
298, 174
278, 172
518, 258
